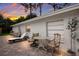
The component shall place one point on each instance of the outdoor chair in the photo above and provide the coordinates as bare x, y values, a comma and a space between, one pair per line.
53, 45
57, 42
35, 42
18, 39
33, 35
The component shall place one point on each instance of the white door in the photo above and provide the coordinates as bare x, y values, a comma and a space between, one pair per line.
55, 27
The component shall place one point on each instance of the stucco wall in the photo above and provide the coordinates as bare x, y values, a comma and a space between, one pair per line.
15, 29
19, 29
23, 28
38, 27
77, 37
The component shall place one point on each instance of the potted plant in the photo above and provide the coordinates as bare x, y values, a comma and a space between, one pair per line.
72, 26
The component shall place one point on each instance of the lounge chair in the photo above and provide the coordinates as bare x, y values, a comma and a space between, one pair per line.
24, 36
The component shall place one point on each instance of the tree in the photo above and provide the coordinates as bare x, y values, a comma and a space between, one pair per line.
20, 19
25, 18
58, 5
2, 21
9, 21
5, 24
28, 6
1, 17
33, 15
33, 6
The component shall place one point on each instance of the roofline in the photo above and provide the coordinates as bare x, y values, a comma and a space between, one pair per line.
66, 9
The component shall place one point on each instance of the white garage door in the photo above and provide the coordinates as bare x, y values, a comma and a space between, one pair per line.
56, 27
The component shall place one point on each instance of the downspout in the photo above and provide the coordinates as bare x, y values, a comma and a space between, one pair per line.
46, 29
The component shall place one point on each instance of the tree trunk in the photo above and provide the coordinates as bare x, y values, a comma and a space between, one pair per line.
40, 9
30, 10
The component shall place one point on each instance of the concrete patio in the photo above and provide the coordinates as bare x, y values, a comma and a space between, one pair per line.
18, 49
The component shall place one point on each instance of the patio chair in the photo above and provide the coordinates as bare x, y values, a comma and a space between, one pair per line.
57, 42
54, 45
24, 36
35, 42
32, 37
35, 35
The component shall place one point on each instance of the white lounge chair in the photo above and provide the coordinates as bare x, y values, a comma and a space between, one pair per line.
21, 37
17, 39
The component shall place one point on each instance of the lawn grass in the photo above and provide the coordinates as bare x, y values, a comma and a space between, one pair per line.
4, 34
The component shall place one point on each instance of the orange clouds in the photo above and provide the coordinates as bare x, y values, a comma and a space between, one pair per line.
14, 4
12, 17
13, 11
7, 8
7, 15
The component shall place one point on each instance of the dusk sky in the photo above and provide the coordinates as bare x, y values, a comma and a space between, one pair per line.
14, 10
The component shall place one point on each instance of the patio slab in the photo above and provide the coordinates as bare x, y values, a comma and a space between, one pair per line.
18, 49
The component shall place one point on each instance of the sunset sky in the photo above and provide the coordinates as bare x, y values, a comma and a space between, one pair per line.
15, 10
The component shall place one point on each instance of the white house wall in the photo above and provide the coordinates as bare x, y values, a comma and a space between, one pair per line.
77, 37
67, 40
19, 29
23, 28
40, 27
15, 29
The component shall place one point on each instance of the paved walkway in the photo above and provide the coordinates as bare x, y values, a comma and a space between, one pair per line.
18, 49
